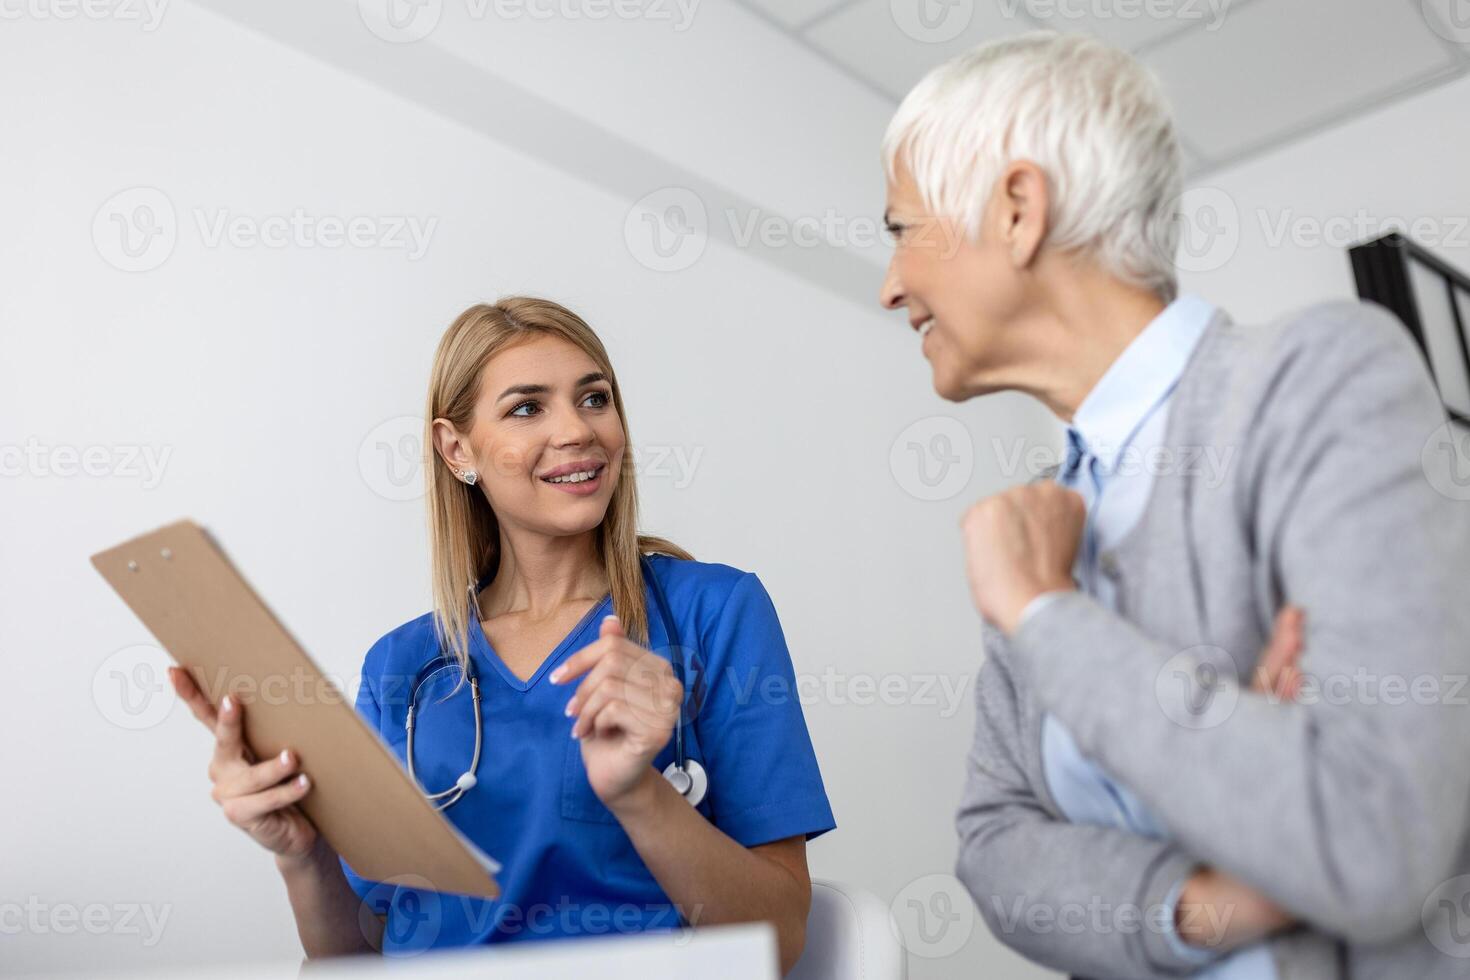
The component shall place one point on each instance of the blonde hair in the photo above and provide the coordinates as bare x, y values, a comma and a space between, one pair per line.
1091, 116
464, 533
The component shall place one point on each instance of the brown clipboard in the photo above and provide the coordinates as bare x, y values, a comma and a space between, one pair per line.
178, 581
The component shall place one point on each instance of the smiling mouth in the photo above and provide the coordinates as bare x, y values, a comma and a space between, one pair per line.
925, 327
579, 477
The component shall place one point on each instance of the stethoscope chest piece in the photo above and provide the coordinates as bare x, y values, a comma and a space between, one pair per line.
692, 781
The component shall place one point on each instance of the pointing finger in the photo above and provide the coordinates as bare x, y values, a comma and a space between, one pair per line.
607, 642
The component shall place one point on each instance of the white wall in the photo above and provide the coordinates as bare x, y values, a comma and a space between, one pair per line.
1286, 219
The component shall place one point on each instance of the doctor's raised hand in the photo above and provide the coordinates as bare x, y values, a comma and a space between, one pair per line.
625, 708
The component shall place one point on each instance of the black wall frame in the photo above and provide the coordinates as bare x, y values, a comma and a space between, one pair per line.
1381, 268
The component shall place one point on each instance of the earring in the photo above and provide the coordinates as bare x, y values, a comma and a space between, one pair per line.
469, 477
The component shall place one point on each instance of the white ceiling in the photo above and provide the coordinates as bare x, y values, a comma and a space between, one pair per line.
1245, 76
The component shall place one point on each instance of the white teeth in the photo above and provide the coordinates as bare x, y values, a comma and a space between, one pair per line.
573, 477
925, 327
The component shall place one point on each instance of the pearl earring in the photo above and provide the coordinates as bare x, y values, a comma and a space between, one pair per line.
469, 477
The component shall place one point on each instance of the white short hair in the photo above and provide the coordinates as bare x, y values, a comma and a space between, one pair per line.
1090, 116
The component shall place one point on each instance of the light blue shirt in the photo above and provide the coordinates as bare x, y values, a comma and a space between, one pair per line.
1122, 422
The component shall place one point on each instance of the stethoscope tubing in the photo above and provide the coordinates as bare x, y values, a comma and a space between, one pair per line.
466, 781
687, 776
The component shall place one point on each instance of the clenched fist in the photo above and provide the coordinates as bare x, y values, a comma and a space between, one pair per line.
1018, 544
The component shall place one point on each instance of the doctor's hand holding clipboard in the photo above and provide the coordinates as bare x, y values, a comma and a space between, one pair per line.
260, 798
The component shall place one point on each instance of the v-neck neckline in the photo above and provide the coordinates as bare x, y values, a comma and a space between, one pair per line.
482, 642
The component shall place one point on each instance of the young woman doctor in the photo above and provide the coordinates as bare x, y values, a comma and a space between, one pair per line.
533, 517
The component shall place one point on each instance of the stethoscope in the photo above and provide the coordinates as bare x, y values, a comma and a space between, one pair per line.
686, 775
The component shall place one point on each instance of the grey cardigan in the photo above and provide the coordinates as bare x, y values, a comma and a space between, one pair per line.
1348, 807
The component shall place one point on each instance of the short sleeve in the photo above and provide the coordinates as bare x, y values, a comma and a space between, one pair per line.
764, 783
375, 895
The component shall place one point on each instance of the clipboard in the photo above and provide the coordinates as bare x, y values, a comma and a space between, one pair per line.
179, 582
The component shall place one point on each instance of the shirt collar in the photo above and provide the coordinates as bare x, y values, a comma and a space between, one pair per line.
1140, 378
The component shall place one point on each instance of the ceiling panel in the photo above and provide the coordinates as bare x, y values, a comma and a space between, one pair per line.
868, 37
1277, 66
1244, 75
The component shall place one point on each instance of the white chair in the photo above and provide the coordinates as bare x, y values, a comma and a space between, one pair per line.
850, 935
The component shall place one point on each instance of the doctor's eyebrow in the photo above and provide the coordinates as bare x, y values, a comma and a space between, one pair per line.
584, 380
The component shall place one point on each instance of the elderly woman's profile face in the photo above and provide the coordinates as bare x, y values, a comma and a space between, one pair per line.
547, 440
959, 294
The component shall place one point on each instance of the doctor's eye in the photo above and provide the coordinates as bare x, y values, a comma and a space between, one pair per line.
517, 410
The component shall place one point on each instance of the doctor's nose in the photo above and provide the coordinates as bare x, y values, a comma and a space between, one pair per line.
573, 430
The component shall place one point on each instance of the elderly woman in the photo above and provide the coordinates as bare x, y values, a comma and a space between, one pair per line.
1133, 807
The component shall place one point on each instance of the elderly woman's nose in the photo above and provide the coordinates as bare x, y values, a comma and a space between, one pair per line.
891, 295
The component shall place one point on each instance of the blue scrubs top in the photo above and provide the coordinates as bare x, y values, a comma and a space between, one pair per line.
568, 868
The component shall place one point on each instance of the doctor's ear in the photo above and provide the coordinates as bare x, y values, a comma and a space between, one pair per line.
454, 450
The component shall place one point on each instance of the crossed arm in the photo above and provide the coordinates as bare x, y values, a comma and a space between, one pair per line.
1089, 900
